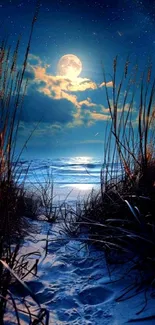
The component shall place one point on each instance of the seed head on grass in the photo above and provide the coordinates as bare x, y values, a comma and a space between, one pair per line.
12, 195
121, 217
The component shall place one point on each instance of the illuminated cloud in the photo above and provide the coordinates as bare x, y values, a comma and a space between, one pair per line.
60, 82
34, 59
108, 84
59, 88
65, 84
99, 117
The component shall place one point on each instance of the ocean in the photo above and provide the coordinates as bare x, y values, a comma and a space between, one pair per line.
72, 176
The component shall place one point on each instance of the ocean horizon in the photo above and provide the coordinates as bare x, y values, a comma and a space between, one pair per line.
71, 176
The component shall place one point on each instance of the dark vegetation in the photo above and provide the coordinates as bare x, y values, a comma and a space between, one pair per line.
120, 218
14, 201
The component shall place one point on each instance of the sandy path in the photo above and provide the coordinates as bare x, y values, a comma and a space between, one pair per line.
73, 284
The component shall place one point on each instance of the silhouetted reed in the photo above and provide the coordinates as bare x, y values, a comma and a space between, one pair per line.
13, 198
121, 217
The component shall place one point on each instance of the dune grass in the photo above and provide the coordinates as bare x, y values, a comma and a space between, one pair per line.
14, 201
121, 217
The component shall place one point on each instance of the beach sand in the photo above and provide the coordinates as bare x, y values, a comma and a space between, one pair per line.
73, 283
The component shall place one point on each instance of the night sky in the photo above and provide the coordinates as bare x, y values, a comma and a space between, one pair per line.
73, 113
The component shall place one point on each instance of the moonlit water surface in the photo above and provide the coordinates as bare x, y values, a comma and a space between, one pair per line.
72, 176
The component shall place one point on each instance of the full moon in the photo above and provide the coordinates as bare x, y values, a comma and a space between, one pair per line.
69, 66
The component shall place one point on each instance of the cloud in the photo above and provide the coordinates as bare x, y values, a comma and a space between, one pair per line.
86, 103
29, 74
107, 84
55, 99
58, 87
41, 107
62, 83
65, 84
89, 113
99, 117
34, 59
82, 84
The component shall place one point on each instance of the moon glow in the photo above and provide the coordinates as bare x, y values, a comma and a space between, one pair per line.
69, 66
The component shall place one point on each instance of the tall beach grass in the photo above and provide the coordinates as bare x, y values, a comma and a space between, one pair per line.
121, 217
13, 198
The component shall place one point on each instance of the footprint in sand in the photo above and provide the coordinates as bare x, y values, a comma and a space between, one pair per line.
94, 295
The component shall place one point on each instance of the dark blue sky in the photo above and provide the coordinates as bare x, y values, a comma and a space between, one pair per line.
73, 115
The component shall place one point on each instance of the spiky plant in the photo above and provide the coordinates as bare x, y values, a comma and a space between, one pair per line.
121, 217
12, 196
